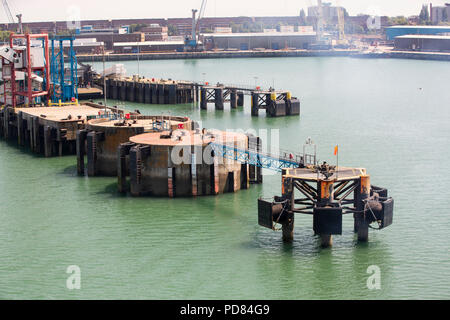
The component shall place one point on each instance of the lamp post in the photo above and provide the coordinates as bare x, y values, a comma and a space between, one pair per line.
104, 76
112, 35
138, 53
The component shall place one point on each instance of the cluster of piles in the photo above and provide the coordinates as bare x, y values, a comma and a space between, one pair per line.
150, 91
48, 130
163, 157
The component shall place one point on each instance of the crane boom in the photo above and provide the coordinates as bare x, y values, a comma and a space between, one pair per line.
8, 11
201, 12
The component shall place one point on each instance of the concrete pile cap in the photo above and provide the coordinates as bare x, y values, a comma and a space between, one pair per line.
61, 113
188, 137
131, 122
308, 174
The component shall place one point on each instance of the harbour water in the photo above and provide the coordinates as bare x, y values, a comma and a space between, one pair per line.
389, 116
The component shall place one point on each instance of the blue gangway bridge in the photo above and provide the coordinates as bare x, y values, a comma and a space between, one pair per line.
274, 160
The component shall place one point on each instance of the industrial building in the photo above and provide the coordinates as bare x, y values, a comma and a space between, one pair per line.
261, 40
109, 38
423, 43
440, 14
155, 32
396, 31
148, 46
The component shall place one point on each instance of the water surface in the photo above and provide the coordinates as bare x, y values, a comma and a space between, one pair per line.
390, 116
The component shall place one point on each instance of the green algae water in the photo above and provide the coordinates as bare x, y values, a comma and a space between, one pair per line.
389, 116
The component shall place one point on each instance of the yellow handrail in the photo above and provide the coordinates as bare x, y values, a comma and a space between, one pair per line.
60, 104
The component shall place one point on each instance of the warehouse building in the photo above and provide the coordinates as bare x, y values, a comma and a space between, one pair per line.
148, 46
262, 40
109, 38
423, 43
396, 31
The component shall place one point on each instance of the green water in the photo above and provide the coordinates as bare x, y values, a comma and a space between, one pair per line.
212, 247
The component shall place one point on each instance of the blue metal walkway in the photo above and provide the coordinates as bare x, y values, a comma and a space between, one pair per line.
271, 161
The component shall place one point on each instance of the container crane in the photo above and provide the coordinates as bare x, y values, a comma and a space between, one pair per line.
192, 43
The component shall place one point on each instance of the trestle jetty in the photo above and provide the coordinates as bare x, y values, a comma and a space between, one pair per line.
276, 103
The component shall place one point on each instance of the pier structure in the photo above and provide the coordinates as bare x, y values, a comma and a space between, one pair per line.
150, 91
219, 95
327, 193
323, 191
182, 163
101, 137
277, 103
48, 130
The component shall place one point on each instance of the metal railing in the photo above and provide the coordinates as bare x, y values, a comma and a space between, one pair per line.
269, 160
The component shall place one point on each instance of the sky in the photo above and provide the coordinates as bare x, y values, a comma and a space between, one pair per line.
63, 10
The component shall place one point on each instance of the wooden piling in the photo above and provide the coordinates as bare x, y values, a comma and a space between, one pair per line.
92, 153
240, 101
6, 122
254, 105
194, 172
81, 150
161, 96
154, 90
245, 183
233, 99
47, 141
123, 151
20, 129
115, 89
135, 170
172, 92
287, 225
203, 99
37, 135
147, 93
362, 225
218, 98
